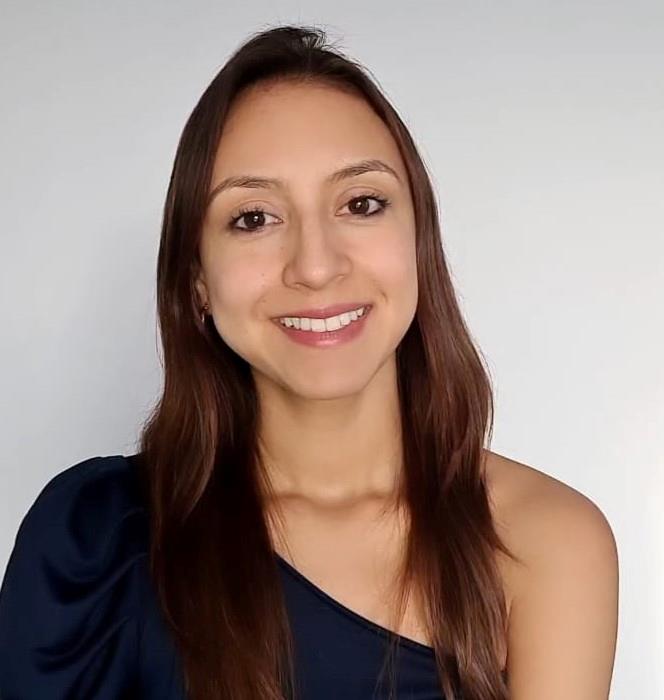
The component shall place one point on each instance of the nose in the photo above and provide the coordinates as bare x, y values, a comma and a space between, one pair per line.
317, 254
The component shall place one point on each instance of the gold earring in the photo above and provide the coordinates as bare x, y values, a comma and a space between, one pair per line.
206, 308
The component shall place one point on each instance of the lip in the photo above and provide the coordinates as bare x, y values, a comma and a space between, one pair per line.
324, 311
328, 339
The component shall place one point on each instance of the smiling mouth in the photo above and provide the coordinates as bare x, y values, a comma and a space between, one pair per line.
325, 324
325, 333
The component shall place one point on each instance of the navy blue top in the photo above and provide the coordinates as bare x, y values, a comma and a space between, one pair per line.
79, 618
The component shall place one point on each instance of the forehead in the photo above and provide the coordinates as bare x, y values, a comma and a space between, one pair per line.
288, 129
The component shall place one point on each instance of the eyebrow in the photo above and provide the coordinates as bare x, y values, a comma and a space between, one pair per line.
348, 171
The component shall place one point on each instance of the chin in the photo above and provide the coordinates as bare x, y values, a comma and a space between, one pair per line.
326, 388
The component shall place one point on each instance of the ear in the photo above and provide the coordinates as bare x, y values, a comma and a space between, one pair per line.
201, 288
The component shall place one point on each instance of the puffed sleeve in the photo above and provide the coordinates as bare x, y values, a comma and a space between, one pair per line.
70, 602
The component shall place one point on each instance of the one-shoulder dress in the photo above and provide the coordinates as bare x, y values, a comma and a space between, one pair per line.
79, 618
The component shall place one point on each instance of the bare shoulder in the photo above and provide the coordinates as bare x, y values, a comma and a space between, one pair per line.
563, 597
517, 485
533, 509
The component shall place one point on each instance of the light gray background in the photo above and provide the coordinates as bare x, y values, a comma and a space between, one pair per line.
542, 125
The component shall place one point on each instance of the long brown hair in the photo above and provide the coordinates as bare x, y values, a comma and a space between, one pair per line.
212, 557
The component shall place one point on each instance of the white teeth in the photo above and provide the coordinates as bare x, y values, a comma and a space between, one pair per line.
320, 325
334, 324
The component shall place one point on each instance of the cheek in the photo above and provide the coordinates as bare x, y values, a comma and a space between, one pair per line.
237, 287
234, 294
237, 279
393, 263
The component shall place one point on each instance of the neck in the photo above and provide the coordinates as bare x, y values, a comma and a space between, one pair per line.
332, 450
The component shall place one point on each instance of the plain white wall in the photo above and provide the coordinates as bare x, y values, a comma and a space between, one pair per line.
542, 125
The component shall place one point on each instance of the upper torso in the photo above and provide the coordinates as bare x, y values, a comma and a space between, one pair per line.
352, 554
78, 614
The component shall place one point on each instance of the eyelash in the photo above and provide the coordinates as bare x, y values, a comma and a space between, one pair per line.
383, 201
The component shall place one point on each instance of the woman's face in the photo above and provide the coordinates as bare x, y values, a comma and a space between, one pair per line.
313, 244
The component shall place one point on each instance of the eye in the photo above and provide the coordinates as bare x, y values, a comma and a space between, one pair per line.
362, 210
255, 215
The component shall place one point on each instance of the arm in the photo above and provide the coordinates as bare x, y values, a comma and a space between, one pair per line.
564, 616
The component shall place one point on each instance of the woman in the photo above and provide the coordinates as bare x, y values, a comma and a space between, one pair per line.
312, 504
